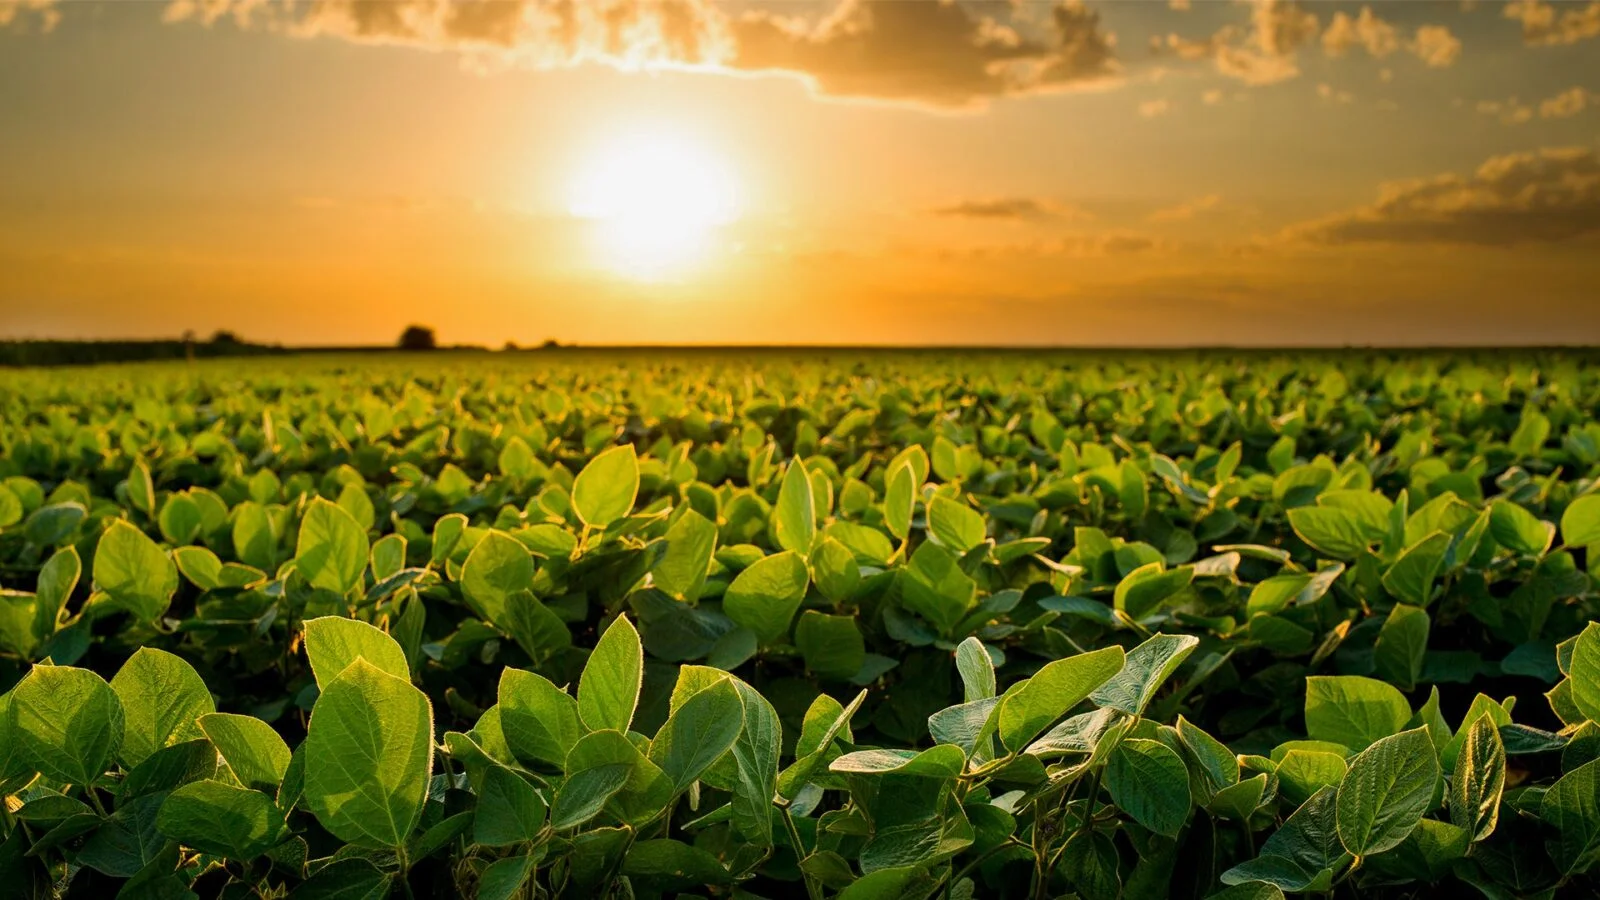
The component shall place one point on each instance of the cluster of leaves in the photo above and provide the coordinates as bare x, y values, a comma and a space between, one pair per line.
876, 626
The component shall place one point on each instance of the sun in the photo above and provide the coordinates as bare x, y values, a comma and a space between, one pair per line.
657, 201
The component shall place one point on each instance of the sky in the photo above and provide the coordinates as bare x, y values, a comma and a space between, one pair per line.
326, 172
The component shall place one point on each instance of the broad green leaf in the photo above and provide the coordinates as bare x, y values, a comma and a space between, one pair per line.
941, 761
1479, 780
1219, 764
608, 690
352, 878
1148, 666
976, 668
1580, 524
1089, 862
1052, 692
955, 525
1516, 529
1584, 670
369, 756
1146, 587
1149, 782
249, 747
1386, 792
332, 550
67, 723
388, 556
1302, 855
935, 587
606, 488
503, 878
333, 643
536, 629
220, 819
1402, 646
765, 596
508, 811
134, 572
180, 519
899, 500
1572, 808
1335, 532
540, 721
57, 580
755, 755
794, 519
1353, 710
1410, 578
498, 567
1303, 772
681, 570
834, 570
831, 645
50, 526
600, 765
673, 865
447, 532
162, 698
697, 733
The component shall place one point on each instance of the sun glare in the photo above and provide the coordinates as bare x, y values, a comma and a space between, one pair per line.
657, 202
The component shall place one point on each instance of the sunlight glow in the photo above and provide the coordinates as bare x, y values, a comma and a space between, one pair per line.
657, 201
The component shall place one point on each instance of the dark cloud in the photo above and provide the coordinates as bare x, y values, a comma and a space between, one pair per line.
937, 52
1539, 196
1010, 208
42, 14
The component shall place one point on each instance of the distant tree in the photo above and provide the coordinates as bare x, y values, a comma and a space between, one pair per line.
223, 336
551, 344
511, 347
418, 337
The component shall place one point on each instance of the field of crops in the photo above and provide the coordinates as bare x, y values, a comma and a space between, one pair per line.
859, 624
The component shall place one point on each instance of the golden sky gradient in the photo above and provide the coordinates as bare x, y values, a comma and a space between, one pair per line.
686, 171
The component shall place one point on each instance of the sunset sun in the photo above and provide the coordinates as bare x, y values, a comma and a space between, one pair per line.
657, 201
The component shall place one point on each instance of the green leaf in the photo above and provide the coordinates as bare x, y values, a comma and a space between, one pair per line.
1148, 586
509, 810
1479, 780
832, 645
49, 526
976, 669
1410, 578
606, 488
388, 556
369, 756
540, 721
899, 500
1148, 666
498, 567
955, 525
57, 579
669, 865
1386, 792
1219, 764
755, 756
162, 697
352, 878
608, 689
503, 878
600, 764
1353, 710
181, 519
765, 596
220, 819
1580, 524
1516, 529
1089, 862
1149, 782
936, 588
67, 723
333, 643
255, 753
1302, 772
698, 733
331, 552
834, 570
681, 570
1303, 854
1572, 808
1584, 670
940, 761
536, 629
134, 572
1402, 646
794, 519
1334, 532
1052, 692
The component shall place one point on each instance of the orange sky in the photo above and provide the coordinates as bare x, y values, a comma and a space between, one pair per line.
683, 171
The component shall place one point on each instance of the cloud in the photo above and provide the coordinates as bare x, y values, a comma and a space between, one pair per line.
1331, 95
1510, 112
1073, 246
1002, 208
1152, 108
1186, 210
938, 53
1542, 25
1539, 196
1565, 105
1436, 46
1344, 32
19, 12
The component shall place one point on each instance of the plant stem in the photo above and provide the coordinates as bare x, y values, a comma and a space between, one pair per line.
94, 801
812, 888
